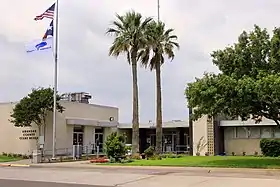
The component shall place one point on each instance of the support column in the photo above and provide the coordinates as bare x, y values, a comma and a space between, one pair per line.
210, 136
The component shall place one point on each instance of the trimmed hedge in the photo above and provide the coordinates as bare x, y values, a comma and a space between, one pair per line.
270, 147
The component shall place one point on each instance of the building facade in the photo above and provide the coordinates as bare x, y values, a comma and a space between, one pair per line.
232, 137
80, 124
86, 124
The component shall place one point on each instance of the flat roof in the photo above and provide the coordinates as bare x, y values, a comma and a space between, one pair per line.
168, 124
235, 123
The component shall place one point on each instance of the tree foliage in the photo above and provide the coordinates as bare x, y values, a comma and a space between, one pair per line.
161, 42
248, 84
34, 108
115, 146
129, 32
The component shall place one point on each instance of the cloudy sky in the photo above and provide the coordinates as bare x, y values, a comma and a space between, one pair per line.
84, 64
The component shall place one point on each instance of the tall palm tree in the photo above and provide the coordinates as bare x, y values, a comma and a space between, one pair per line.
161, 42
129, 33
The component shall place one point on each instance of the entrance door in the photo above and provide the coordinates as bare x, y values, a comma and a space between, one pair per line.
98, 136
78, 138
78, 135
167, 142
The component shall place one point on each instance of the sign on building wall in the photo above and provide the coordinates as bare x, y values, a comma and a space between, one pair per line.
28, 135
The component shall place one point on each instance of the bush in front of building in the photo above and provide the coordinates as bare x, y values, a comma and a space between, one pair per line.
149, 152
270, 147
115, 147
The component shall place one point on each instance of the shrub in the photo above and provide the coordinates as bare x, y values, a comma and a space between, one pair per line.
149, 152
155, 157
115, 146
270, 147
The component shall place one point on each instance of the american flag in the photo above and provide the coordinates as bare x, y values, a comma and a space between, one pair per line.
49, 13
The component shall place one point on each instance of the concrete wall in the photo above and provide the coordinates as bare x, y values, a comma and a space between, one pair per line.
82, 110
200, 130
10, 135
238, 146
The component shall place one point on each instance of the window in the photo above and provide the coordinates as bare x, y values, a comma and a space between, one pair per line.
266, 132
277, 132
229, 132
254, 132
242, 132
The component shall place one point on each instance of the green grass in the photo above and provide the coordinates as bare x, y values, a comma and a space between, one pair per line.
211, 161
8, 159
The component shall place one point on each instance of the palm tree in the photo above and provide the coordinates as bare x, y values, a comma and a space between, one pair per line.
160, 43
129, 33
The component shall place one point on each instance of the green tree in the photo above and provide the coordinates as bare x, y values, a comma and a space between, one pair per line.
161, 42
248, 83
33, 109
115, 146
129, 33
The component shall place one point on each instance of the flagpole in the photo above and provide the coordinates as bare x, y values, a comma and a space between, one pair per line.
55, 81
158, 7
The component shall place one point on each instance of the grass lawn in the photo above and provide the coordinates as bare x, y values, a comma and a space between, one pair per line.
8, 159
211, 161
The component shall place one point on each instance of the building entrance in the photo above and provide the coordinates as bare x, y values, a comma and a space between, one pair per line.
78, 135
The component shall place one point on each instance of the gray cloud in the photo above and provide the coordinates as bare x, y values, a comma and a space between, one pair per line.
84, 64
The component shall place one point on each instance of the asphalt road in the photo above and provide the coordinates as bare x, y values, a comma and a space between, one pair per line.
126, 177
22, 183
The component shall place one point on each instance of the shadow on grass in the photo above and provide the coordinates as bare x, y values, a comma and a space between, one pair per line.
244, 163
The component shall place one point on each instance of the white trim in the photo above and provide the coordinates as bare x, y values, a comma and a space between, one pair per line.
234, 123
168, 124
90, 122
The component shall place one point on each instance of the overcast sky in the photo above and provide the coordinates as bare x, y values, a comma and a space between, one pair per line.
84, 65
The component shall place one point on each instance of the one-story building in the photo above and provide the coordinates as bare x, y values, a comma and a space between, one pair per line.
79, 124
232, 137
83, 124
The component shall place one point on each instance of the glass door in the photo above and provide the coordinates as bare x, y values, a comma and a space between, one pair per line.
78, 138
99, 139
167, 143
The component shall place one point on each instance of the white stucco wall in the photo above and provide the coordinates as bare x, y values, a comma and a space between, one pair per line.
200, 130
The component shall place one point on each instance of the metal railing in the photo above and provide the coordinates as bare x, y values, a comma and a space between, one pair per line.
75, 152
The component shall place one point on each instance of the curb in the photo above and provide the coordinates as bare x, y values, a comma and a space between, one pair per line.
5, 165
14, 165
19, 165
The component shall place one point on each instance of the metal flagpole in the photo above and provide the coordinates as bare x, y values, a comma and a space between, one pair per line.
55, 81
158, 9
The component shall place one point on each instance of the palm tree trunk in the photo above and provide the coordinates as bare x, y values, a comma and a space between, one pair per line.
159, 111
135, 108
